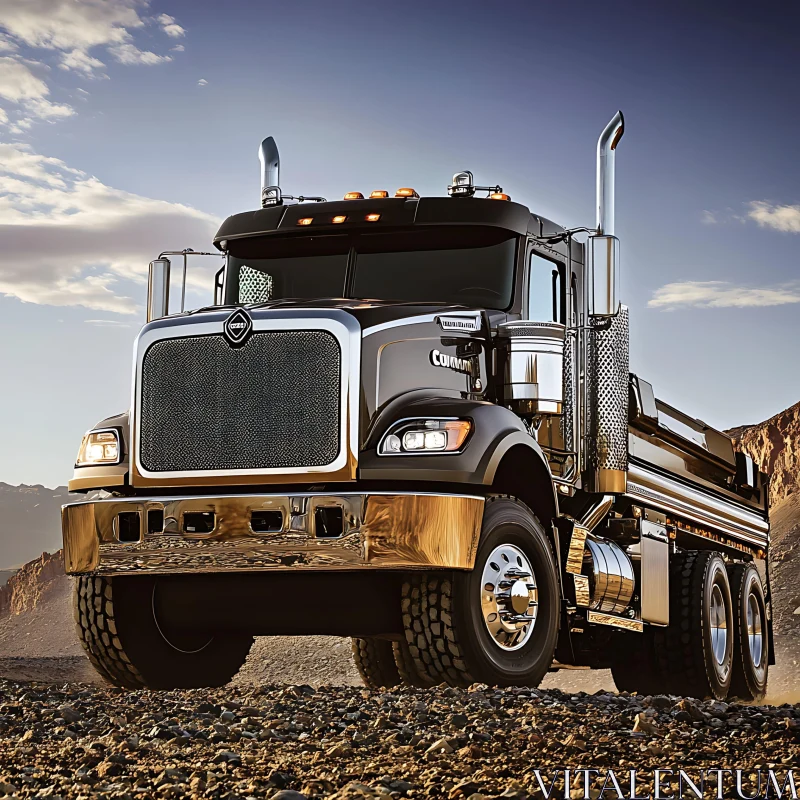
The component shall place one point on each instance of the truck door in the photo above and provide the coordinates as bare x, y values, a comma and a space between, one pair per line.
547, 300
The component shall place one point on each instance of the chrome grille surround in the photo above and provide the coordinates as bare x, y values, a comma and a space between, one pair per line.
321, 325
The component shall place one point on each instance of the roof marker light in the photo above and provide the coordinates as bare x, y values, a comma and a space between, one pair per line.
378, 194
499, 196
406, 192
339, 219
354, 196
305, 221
372, 217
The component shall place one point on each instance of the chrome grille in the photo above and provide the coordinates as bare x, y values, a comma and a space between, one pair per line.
273, 403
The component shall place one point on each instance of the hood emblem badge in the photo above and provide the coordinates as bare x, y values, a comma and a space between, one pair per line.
238, 327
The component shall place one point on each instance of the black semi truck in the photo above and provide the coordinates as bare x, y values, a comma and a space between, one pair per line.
411, 421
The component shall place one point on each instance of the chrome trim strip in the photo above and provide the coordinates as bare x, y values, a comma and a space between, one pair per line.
615, 622
700, 507
398, 323
337, 322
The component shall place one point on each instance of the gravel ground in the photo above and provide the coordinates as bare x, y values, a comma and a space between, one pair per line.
242, 742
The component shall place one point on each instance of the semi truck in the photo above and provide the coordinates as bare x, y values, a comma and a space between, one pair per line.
411, 421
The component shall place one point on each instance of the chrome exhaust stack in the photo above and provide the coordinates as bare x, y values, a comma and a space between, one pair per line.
270, 173
606, 154
608, 367
604, 245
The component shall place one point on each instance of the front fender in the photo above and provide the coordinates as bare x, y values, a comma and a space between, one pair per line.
495, 431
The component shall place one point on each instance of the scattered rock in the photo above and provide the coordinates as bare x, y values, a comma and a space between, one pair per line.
349, 743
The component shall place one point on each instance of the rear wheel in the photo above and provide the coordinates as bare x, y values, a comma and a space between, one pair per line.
383, 664
130, 645
750, 647
696, 651
407, 667
497, 623
374, 659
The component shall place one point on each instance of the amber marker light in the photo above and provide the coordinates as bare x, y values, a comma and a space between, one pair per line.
379, 194
405, 192
339, 220
372, 217
354, 196
305, 221
498, 196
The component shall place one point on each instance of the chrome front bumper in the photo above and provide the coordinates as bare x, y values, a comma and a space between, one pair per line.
377, 531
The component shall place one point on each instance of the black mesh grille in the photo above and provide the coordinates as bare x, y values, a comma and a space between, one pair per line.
272, 403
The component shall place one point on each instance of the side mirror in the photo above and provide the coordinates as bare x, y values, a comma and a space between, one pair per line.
603, 255
158, 289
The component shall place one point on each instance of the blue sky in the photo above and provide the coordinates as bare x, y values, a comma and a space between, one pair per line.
131, 128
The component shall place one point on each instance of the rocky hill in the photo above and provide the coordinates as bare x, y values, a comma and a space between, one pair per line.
775, 446
32, 584
30, 522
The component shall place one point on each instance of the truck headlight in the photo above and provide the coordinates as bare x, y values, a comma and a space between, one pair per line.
98, 448
424, 436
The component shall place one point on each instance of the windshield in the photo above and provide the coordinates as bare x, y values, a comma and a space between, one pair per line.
466, 266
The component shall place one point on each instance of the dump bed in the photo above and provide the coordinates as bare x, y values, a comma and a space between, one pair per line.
665, 440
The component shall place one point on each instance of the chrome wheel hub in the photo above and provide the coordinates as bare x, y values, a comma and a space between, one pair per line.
509, 597
719, 625
755, 631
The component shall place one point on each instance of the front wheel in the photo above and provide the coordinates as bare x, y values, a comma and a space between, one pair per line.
498, 623
130, 645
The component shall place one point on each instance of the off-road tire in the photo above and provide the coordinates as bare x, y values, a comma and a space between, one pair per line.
374, 659
684, 648
444, 629
384, 664
120, 634
749, 681
636, 668
408, 668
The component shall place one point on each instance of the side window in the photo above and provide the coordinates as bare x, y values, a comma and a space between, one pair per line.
545, 290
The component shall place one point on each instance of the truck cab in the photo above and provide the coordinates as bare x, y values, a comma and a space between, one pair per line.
411, 421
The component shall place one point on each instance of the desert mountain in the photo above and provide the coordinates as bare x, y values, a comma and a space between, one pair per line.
775, 446
30, 522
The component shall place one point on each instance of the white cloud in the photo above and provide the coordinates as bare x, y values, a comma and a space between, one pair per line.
784, 218
7, 45
18, 83
107, 323
70, 24
721, 294
709, 218
129, 54
179, 48
21, 125
80, 61
71, 240
44, 109
170, 26
71, 28
202, 82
